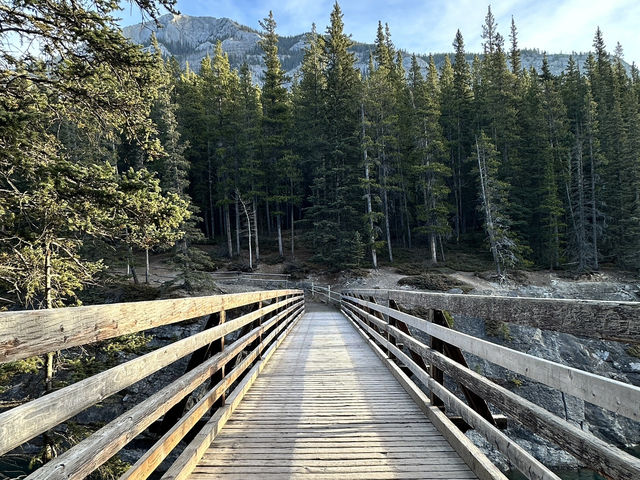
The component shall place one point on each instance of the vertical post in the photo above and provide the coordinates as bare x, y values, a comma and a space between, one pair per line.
312, 291
220, 348
260, 324
390, 338
329, 295
438, 346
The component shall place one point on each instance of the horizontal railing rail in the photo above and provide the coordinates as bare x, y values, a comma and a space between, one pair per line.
387, 326
606, 320
325, 294
259, 333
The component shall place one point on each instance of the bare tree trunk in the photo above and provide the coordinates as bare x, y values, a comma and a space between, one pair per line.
134, 273
279, 227
255, 227
385, 200
487, 208
246, 212
581, 231
237, 226
227, 221
406, 213
433, 248
268, 218
594, 215
48, 451
372, 238
210, 181
146, 267
293, 252
48, 296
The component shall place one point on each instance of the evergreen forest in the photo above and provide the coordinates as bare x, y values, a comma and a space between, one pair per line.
108, 150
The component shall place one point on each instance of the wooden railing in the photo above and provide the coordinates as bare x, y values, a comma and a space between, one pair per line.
28, 333
325, 294
377, 315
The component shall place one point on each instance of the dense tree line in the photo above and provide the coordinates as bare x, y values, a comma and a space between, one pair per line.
91, 161
545, 166
108, 148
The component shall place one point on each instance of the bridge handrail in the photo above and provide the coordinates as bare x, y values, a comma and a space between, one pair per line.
27, 333
607, 320
375, 320
28, 420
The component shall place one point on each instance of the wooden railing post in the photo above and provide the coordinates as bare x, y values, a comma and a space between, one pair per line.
260, 324
218, 347
438, 346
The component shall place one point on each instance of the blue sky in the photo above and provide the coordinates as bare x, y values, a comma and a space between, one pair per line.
429, 25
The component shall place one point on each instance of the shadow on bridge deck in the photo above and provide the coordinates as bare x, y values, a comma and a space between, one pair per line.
326, 407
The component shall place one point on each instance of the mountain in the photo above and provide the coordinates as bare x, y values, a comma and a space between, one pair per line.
190, 39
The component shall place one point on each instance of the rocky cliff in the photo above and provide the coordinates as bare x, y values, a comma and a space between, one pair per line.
190, 39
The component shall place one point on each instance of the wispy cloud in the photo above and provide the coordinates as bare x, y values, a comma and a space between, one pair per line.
430, 25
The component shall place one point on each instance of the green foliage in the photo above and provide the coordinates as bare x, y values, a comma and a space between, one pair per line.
497, 328
63, 112
131, 343
634, 351
30, 365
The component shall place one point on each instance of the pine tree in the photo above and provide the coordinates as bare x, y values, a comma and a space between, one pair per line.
276, 125
514, 53
334, 214
493, 198
456, 118
429, 156
252, 177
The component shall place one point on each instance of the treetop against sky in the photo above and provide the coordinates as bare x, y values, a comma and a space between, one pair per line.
425, 26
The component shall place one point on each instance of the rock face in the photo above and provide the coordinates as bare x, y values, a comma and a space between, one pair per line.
609, 359
190, 39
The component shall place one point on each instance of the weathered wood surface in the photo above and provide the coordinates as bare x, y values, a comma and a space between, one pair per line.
84, 458
522, 460
470, 454
616, 396
34, 332
590, 450
161, 449
188, 459
619, 321
33, 418
326, 407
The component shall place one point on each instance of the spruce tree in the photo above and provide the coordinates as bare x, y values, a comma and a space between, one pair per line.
276, 125
429, 162
335, 212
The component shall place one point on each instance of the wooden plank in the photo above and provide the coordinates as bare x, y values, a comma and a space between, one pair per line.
618, 397
522, 460
188, 459
316, 475
595, 453
326, 404
607, 320
470, 454
35, 332
161, 449
85, 457
33, 418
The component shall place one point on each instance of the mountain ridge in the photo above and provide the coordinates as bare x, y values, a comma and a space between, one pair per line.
191, 38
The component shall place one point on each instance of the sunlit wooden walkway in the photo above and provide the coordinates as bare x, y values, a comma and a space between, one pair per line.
326, 407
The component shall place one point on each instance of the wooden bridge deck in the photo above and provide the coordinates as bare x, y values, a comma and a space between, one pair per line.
326, 407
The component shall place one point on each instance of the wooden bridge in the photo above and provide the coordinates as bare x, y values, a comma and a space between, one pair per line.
354, 388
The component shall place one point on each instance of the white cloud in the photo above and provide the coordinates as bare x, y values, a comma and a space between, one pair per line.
425, 26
